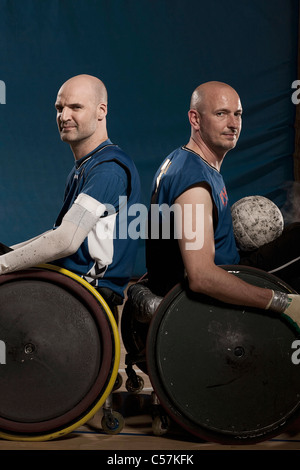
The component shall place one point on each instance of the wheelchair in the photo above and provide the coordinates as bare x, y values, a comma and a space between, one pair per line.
60, 356
223, 373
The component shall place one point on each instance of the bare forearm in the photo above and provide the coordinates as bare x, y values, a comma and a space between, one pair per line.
227, 287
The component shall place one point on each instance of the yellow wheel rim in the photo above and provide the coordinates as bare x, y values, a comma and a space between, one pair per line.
111, 382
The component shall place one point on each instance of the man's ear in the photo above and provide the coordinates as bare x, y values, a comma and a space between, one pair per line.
102, 111
194, 118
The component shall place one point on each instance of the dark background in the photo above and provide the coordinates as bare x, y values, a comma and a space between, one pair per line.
151, 55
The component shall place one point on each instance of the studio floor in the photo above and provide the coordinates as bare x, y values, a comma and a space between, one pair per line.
137, 433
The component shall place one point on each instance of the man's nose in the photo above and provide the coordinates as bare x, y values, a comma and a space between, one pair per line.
65, 115
233, 121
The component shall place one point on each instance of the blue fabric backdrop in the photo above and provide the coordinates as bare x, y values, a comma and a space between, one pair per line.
151, 55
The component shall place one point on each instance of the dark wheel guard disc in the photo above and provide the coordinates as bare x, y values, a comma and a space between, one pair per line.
59, 352
224, 373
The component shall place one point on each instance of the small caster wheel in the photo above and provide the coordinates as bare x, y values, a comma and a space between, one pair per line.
118, 382
112, 424
135, 385
160, 425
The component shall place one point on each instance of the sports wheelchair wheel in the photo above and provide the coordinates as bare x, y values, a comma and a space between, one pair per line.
222, 372
61, 355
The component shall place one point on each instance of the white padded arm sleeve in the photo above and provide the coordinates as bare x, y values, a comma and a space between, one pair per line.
18, 245
58, 243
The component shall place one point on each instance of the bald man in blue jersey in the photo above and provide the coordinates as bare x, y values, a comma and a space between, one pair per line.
190, 178
85, 238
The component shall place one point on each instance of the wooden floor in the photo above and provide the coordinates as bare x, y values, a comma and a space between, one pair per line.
137, 434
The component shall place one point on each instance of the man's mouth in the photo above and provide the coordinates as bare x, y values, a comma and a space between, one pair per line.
230, 134
67, 128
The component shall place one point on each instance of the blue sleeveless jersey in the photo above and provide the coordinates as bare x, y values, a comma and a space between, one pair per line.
179, 171
108, 175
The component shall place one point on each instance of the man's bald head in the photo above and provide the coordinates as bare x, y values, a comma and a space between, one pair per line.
91, 85
207, 91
